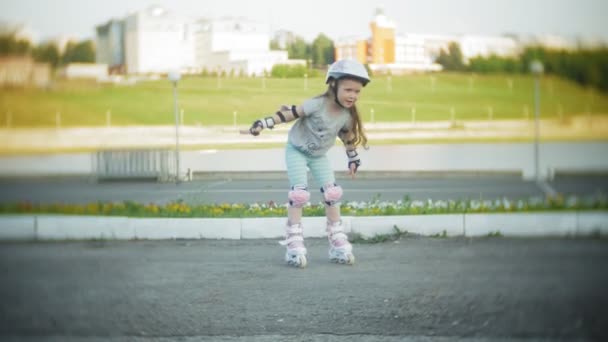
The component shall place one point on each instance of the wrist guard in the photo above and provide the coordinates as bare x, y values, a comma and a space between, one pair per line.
267, 122
353, 158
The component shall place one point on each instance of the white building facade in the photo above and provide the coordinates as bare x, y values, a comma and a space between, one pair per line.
235, 45
486, 46
415, 53
353, 47
158, 41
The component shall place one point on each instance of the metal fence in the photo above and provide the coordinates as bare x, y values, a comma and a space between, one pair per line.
135, 164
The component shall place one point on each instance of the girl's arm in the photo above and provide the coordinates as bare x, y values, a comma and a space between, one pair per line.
354, 161
283, 115
347, 136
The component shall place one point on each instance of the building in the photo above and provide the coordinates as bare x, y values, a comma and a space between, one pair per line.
22, 71
434, 43
94, 71
387, 51
552, 42
486, 46
381, 45
415, 53
158, 41
235, 45
352, 48
110, 42
378, 49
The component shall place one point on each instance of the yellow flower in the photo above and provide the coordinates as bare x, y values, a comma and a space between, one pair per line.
153, 208
92, 208
107, 208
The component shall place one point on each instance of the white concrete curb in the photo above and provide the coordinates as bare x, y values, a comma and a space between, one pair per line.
69, 227
185, 228
61, 227
368, 226
18, 228
521, 224
591, 223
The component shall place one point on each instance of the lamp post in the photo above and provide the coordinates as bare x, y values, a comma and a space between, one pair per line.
536, 67
174, 77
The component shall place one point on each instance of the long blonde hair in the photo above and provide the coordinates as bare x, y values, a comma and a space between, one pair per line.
359, 132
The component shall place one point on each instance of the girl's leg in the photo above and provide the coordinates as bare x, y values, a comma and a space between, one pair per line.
332, 212
340, 250
298, 196
298, 183
324, 175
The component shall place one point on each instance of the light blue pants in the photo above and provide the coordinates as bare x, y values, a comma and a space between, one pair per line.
296, 168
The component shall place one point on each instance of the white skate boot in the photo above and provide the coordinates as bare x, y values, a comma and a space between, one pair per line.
340, 250
294, 241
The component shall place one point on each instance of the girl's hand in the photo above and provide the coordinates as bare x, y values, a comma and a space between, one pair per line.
353, 162
256, 128
259, 125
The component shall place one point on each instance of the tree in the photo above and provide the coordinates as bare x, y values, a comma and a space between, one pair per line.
452, 59
274, 45
494, 63
288, 71
11, 46
47, 53
322, 50
81, 52
299, 49
587, 67
529, 54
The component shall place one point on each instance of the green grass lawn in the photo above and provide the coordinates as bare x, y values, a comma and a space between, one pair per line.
206, 101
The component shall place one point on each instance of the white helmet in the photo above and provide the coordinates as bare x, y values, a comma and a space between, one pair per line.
347, 67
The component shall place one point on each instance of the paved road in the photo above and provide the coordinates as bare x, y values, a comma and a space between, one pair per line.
264, 190
419, 289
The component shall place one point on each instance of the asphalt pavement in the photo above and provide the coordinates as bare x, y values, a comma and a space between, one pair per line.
416, 289
254, 188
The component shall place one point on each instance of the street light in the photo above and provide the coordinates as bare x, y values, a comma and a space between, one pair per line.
174, 77
536, 67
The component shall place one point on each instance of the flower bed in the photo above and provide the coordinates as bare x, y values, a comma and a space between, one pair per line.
374, 207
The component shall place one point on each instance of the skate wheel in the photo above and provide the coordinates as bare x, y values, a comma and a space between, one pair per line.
348, 260
302, 262
297, 261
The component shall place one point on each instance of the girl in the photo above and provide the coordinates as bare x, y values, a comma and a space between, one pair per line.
321, 119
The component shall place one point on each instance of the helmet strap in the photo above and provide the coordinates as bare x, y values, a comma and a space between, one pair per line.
334, 88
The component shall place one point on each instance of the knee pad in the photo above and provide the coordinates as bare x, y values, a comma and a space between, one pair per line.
298, 196
332, 193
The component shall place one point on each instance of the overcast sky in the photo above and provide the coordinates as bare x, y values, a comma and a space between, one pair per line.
335, 18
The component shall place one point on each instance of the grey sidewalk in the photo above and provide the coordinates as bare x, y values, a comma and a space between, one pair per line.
419, 289
505, 158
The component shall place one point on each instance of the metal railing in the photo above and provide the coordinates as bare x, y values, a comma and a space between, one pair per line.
135, 164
